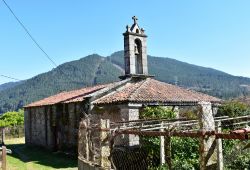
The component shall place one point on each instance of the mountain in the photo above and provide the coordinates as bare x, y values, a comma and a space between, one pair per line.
9, 85
207, 80
95, 69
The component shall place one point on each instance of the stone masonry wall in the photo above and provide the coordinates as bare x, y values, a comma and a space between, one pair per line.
35, 125
46, 126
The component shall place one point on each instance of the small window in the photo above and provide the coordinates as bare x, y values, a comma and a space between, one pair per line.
137, 31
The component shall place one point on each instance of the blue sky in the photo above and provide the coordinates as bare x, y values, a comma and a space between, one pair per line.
208, 33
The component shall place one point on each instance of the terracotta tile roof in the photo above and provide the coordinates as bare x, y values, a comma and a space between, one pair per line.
143, 91
67, 96
150, 90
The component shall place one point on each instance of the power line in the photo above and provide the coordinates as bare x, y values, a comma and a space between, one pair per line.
34, 40
27, 31
10, 77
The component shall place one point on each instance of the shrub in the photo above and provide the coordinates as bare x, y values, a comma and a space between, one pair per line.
233, 109
12, 118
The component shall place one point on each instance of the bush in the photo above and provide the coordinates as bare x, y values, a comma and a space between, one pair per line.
184, 151
12, 118
233, 109
235, 156
157, 112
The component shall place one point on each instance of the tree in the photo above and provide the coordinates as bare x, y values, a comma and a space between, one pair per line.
12, 118
233, 109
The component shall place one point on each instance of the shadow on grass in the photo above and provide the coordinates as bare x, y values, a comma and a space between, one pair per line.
42, 156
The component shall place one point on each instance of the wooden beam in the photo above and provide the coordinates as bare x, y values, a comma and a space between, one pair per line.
240, 136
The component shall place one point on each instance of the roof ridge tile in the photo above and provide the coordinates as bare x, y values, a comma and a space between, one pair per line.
134, 92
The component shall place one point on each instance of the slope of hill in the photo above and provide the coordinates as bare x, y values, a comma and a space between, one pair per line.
9, 85
207, 80
87, 71
95, 69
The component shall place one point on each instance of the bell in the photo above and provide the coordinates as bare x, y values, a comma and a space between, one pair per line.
136, 50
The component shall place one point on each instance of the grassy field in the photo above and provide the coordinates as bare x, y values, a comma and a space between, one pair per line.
35, 158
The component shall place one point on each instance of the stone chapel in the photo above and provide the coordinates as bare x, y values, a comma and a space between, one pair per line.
53, 122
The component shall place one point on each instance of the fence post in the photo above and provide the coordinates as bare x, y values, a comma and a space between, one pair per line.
219, 148
3, 157
87, 137
162, 147
208, 157
18, 131
104, 144
3, 135
168, 150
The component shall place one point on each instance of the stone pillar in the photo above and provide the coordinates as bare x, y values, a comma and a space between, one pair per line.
208, 157
176, 111
129, 112
104, 143
83, 141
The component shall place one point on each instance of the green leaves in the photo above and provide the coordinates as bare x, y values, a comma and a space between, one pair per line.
12, 118
184, 151
157, 112
233, 109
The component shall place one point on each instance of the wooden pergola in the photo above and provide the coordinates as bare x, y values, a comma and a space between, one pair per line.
165, 129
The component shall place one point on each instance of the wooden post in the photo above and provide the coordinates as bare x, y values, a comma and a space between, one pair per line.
104, 144
18, 132
162, 147
168, 151
3, 157
3, 135
219, 148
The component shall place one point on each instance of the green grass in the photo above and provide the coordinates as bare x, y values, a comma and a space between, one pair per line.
36, 158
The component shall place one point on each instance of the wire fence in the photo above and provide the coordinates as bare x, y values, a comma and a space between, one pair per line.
12, 132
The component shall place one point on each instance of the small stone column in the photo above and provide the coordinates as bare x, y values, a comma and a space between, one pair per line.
83, 142
129, 112
176, 111
208, 157
104, 145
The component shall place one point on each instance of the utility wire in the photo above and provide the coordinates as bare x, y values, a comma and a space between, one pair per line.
27, 31
34, 40
10, 77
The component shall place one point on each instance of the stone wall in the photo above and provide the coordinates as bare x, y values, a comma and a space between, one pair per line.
54, 127
106, 112
35, 125
116, 113
68, 124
